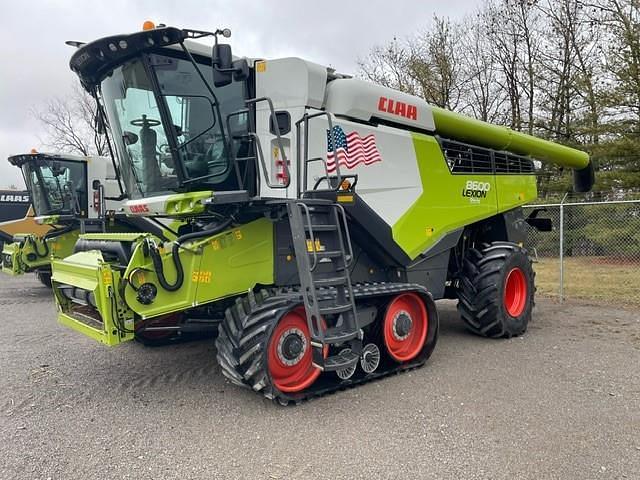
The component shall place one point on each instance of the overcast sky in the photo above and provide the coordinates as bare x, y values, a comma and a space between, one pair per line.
34, 58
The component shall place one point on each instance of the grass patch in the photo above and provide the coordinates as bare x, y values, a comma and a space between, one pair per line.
602, 279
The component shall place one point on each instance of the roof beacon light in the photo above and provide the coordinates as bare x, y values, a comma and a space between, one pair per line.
148, 25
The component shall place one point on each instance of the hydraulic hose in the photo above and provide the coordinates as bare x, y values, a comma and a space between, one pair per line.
49, 236
58, 232
35, 246
157, 265
175, 255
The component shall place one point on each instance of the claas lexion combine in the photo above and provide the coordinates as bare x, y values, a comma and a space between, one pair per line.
320, 216
59, 187
72, 195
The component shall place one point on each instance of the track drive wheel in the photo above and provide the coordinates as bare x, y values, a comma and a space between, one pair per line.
496, 291
263, 343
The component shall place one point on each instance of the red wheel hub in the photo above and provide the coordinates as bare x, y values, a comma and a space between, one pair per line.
405, 327
515, 292
289, 353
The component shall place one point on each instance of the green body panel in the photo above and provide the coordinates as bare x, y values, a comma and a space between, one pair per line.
88, 271
443, 206
18, 257
466, 129
216, 267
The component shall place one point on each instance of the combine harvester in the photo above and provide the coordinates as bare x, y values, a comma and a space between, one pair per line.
323, 215
58, 185
16, 215
73, 195
70, 195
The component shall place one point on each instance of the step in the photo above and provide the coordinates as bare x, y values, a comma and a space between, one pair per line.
334, 309
338, 335
328, 254
321, 228
340, 361
330, 282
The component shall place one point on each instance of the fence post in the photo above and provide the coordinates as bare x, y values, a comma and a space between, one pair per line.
562, 247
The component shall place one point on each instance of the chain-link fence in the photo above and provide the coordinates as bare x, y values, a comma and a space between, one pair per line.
593, 252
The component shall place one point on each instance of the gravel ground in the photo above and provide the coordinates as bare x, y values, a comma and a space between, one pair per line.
563, 401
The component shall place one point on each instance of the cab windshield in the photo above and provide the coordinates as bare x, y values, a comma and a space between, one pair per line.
166, 126
57, 187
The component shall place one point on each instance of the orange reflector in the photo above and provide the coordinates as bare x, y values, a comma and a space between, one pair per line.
148, 25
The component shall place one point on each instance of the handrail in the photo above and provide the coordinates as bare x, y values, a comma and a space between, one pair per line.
343, 214
311, 234
274, 120
305, 161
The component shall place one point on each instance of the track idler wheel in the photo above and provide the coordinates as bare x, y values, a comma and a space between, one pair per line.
289, 357
346, 373
405, 327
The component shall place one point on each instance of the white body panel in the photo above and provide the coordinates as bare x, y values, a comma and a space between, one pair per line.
101, 169
389, 186
292, 84
365, 101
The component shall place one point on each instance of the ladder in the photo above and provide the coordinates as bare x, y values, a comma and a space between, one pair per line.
324, 253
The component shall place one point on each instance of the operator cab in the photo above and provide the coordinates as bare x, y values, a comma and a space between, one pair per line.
57, 183
170, 116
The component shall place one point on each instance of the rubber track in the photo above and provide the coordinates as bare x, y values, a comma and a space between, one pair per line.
243, 337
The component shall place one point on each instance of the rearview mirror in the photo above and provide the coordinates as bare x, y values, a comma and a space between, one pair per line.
222, 63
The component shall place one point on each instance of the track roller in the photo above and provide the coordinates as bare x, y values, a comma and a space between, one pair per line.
370, 358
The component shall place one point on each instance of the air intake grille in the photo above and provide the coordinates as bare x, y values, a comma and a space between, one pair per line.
465, 158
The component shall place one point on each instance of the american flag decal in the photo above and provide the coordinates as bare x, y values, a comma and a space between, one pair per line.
351, 149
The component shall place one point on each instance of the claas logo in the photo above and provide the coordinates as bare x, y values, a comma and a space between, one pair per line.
141, 208
395, 107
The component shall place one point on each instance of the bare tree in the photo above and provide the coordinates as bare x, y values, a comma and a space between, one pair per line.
389, 66
566, 69
513, 28
70, 124
434, 64
426, 65
484, 98
621, 19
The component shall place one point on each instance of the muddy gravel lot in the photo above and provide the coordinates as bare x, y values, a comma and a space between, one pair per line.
563, 401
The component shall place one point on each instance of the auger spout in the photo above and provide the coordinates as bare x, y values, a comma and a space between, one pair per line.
465, 129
